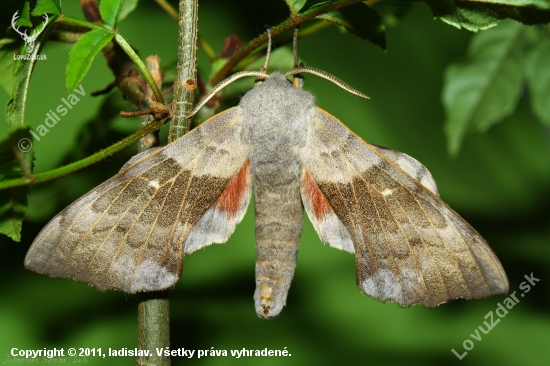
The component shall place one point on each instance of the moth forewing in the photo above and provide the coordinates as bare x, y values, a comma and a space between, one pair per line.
130, 232
410, 247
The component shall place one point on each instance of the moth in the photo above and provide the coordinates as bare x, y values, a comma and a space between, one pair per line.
131, 232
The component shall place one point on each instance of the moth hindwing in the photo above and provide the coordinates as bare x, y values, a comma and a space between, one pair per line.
131, 232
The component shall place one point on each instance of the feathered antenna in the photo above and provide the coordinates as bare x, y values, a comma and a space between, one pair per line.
329, 77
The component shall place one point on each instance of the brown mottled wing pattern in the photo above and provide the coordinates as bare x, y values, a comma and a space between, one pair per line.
410, 247
130, 232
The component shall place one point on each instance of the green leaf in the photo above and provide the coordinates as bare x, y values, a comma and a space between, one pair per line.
485, 88
15, 161
475, 15
47, 7
471, 19
22, 70
109, 10
295, 5
538, 77
13, 204
128, 6
360, 20
25, 16
83, 53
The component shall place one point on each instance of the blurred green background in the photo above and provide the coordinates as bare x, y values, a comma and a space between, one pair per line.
500, 183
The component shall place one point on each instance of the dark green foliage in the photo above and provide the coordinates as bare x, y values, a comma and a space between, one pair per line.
538, 76
486, 87
479, 14
15, 161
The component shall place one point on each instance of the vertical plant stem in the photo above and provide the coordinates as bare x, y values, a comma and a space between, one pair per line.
186, 72
153, 307
154, 327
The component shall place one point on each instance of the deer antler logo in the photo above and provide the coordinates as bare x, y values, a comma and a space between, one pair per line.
32, 38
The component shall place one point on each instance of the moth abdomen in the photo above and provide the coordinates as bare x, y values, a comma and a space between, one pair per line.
279, 215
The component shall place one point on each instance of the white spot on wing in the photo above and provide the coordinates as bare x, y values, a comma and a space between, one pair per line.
149, 275
387, 192
385, 286
369, 286
154, 184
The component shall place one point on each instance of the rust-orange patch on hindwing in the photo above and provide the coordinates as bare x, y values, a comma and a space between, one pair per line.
319, 202
230, 199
